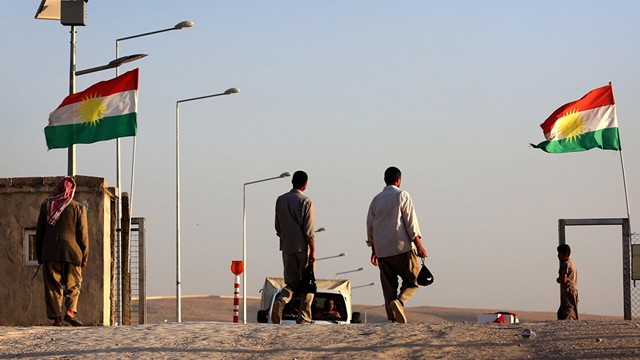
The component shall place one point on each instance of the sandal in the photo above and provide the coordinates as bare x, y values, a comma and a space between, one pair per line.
73, 320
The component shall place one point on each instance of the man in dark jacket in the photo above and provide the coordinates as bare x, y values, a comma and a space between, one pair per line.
62, 246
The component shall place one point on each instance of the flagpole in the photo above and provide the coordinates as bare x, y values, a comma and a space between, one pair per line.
624, 182
624, 176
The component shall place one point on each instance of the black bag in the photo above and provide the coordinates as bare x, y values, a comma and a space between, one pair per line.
308, 281
425, 278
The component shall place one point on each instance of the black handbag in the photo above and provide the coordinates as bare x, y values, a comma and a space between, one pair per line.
425, 277
308, 281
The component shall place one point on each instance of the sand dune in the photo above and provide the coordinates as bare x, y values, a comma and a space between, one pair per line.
216, 308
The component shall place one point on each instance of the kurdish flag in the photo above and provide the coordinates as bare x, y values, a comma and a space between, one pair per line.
106, 110
583, 124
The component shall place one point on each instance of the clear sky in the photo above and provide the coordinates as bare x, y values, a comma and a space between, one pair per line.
451, 92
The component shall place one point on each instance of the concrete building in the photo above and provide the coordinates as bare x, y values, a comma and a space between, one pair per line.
22, 294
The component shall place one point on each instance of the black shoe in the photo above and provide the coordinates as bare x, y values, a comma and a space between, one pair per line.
73, 320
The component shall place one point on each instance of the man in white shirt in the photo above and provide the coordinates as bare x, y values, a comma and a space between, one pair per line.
392, 233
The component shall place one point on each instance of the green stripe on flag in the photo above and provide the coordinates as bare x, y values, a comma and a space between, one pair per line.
63, 136
606, 139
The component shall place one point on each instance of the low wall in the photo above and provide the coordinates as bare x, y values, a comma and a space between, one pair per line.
22, 295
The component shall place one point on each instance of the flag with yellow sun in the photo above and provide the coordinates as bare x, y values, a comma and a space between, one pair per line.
104, 111
583, 124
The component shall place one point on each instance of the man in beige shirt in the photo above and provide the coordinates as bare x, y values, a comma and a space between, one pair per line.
392, 233
294, 226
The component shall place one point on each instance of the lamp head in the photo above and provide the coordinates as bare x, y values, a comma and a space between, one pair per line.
342, 254
125, 59
183, 24
231, 91
284, 174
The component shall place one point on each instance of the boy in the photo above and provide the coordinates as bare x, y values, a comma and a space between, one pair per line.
568, 280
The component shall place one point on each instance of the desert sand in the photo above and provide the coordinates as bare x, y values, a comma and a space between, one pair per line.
432, 333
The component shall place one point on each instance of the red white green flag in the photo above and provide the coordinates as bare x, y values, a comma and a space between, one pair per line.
104, 111
583, 124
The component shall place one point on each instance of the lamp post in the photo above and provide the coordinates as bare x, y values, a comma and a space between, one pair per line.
349, 271
244, 238
181, 25
361, 286
112, 64
332, 256
178, 26
178, 293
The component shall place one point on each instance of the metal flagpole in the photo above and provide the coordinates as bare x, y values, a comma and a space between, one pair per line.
624, 176
624, 182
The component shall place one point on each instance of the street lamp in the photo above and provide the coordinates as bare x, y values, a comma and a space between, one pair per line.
227, 92
321, 229
72, 15
332, 256
361, 286
181, 25
244, 238
349, 271
112, 64
178, 26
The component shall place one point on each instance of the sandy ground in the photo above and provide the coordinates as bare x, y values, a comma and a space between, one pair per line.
446, 335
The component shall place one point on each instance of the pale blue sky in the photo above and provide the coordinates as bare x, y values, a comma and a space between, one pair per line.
450, 92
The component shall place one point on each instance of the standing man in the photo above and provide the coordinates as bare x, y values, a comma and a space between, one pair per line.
294, 226
392, 233
568, 280
62, 245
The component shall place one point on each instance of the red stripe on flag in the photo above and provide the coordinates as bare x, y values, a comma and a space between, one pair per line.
125, 82
593, 99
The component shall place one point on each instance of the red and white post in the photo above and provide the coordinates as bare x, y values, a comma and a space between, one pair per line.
237, 268
236, 300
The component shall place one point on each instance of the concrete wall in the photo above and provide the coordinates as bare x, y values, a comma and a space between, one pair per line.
22, 297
